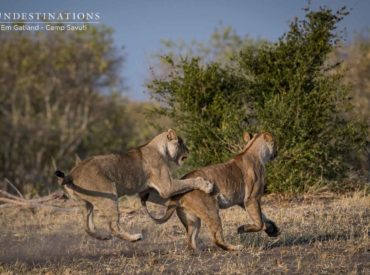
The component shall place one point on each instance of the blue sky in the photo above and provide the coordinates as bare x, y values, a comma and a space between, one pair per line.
141, 24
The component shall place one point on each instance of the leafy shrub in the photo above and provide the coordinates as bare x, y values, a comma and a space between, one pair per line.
287, 88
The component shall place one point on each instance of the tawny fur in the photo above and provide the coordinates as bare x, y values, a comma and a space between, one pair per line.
98, 182
239, 181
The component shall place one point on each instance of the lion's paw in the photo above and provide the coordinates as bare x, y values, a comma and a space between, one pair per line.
237, 247
100, 235
136, 237
206, 186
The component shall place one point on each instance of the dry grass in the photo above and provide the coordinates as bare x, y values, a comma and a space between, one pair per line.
327, 234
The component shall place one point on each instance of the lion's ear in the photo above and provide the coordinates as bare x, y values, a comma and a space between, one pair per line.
268, 137
246, 136
77, 159
171, 134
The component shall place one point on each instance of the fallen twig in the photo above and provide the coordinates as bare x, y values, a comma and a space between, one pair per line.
14, 188
47, 201
10, 196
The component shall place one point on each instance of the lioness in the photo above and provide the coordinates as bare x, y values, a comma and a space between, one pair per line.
99, 181
239, 181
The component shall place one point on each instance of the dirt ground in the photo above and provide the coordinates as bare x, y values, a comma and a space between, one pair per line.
320, 234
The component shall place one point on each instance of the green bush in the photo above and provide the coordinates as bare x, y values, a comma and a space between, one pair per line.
206, 105
287, 88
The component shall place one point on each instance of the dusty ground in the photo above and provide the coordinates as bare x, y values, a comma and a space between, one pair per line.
321, 235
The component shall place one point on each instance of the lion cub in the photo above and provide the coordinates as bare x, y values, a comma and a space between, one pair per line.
239, 181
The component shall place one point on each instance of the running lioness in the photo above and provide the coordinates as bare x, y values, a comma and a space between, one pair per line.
239, 181
99, 181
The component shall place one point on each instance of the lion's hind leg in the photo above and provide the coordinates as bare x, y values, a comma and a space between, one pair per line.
88, 215
206, 209
110, 210
214, 224
192, 225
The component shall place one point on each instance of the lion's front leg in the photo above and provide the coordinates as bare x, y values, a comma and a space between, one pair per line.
167, 187
260, 221
181, 186
252, 206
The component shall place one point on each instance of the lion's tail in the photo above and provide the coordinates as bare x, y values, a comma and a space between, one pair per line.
169, 211
67, 180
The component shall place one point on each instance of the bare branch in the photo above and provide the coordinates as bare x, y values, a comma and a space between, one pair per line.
10, 200
14, 188
10, 196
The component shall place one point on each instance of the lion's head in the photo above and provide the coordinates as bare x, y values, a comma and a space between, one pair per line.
262, 144
176, 148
